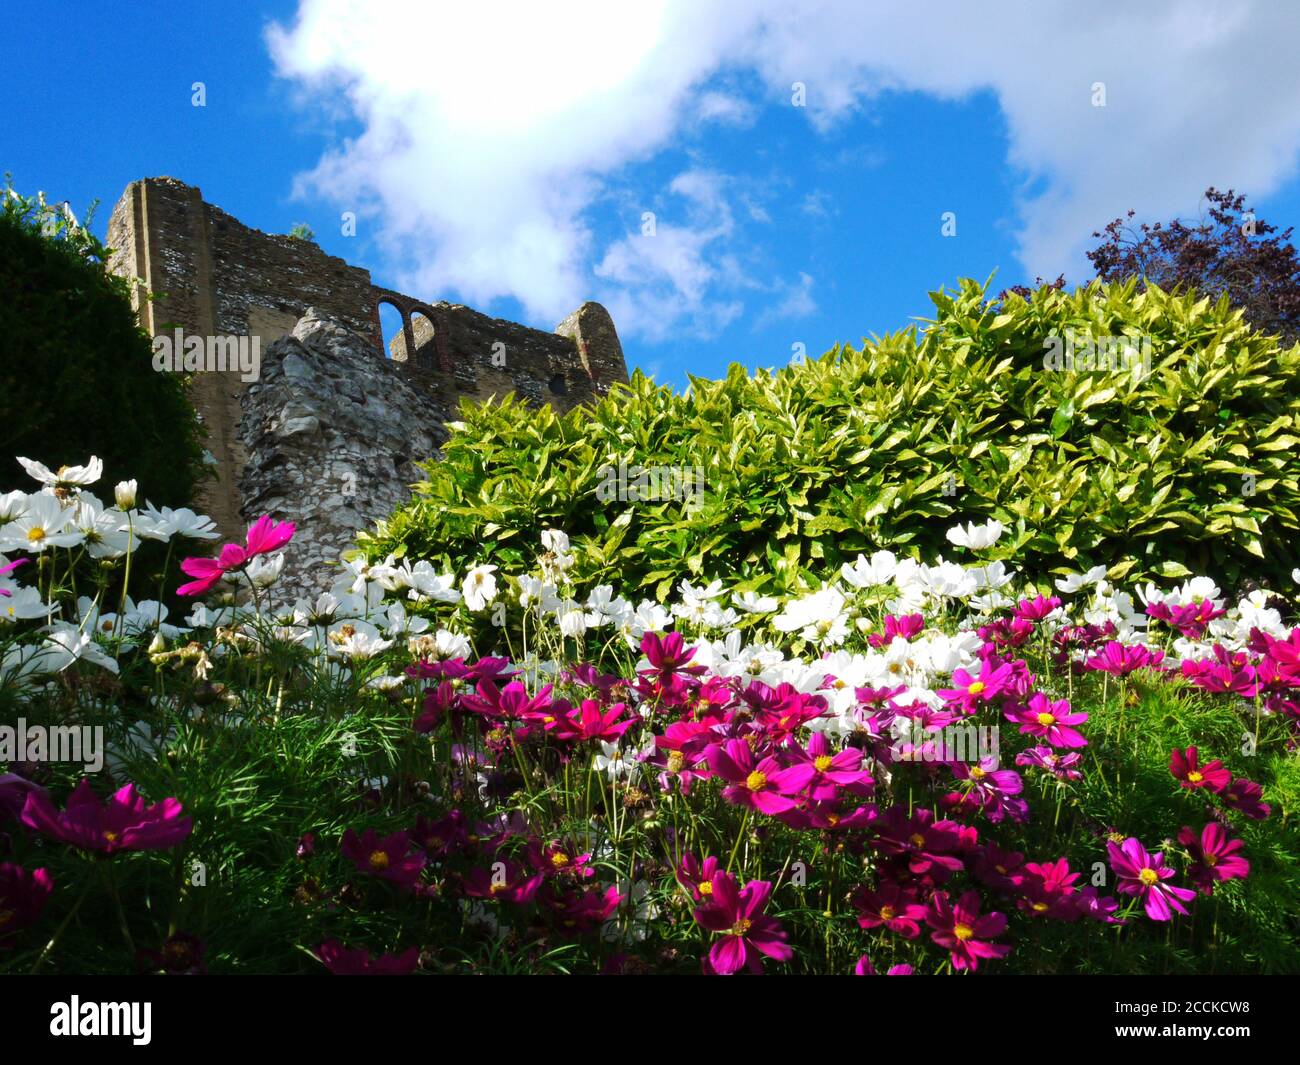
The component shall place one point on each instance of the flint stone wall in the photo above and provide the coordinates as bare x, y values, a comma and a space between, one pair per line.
332, 430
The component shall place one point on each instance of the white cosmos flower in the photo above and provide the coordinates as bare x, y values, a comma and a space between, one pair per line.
975, 536
105, 531
44, 523
154, 524
11, 505
649, 616
614, 762
572, 618
555, 541
947, 580
65, 476
264, 570
879, 569
1074, 581
428, 584
753, 603
356, 639
22, 604
534, 592
480, 587
819, 617
604, 608
69, 644
124, 494
993, 576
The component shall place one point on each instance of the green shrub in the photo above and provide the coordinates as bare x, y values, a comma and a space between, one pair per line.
76, 370
1190, 466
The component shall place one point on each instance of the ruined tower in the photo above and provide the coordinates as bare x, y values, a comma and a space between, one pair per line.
212, 276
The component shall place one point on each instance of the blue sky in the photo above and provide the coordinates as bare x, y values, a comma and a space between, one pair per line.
506, 157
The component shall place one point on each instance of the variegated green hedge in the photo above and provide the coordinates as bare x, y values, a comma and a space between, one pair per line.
1191, 465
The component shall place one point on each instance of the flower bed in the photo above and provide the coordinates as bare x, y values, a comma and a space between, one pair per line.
912, 767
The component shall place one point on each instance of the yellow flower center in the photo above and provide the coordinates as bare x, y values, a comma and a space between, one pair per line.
559, 859
755, 780
887, 913
111, 836
1194, 777
976, 773
963, 931
917, 839
977, 687
36, 535
741, 927
676, 762
496, 887
1046, 719
822, 763
1210, 859
378, 860
1039, 907
1149, 877
706, 888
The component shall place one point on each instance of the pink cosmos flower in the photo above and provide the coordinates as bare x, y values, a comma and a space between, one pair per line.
929, 847
580, 911
1120, 661
1246, 797
831, 772
263, 537
1051, 720
341, 961
964, 931
1060, 766
865, 968
1048, 890
1186, 768
969, 692
1144, 875
8, 569
1214, 856
124, 823
1037, 608
760, 784
696, 876
890, 905
1000, 869
591, 721
737, 913
505, 881
22, 898
389, 858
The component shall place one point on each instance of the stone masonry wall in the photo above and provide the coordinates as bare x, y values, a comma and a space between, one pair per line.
212, 276
333, 430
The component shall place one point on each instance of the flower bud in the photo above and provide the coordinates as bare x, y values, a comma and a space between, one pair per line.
124, 494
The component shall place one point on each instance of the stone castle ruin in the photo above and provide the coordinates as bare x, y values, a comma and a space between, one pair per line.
327, 431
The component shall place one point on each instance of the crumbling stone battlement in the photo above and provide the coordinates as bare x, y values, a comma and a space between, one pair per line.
212, 276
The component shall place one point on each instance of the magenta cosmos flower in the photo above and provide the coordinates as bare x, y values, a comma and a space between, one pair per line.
746, 932
1214, 856
343, 962
1120, 661
1144, 875
894, 907
831, 772
1246, 797
22, 897
968, 692
389, 858
1187, 770
963, 931
1050, 720
865, 968
124, 823
761, 785
263, 537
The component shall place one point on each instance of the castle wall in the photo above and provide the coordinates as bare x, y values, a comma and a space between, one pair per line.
212, 276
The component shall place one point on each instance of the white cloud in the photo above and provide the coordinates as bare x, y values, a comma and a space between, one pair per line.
493, 132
